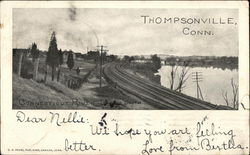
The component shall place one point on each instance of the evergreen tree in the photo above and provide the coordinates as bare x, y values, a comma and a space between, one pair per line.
60, 63
70, 60
35, 58
60, 57
156, 62
52, 59
34, 52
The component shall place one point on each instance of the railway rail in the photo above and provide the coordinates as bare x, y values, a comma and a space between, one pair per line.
152, 93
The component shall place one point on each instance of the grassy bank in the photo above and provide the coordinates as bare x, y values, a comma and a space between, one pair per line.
30, 94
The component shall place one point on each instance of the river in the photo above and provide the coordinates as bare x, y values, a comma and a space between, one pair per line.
214, 82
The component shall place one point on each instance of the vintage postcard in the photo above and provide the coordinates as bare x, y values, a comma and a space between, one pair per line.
124, 77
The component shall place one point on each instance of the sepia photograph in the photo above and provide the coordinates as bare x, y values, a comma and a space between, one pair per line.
125, 59
124, 77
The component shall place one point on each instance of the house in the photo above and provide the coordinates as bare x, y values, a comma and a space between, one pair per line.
93, 55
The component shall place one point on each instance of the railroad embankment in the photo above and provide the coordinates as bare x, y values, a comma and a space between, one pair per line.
31, 94
144, 70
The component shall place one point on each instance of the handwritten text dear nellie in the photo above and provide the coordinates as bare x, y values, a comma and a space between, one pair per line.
205, 136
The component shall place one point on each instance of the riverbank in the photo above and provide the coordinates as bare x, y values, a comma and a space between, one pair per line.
204, 61
144, 70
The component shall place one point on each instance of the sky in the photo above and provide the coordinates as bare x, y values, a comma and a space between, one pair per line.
123, 31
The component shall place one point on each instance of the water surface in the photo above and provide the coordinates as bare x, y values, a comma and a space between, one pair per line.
214, 82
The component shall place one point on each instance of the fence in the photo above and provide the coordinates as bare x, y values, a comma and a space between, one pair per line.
75, 82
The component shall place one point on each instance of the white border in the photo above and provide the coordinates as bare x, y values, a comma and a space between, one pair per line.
239, 118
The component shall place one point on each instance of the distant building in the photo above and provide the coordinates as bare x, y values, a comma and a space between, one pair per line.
93, 55
25, 51
65, 55
78, 55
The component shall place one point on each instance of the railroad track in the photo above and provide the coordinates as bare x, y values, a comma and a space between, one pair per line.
152, 93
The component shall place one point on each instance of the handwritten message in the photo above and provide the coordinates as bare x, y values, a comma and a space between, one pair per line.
205, 136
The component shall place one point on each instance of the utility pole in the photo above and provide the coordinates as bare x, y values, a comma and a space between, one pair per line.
101, 61
197, 77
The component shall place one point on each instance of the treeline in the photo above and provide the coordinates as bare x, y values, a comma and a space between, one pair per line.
153, 63
223, 62
95, 55
54, 58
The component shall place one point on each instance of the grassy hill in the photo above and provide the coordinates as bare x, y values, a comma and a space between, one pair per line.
29, 94
41, 94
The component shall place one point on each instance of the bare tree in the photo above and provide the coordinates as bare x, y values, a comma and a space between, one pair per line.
235, 96
183, 77
224, 95
172, 76
20, 59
